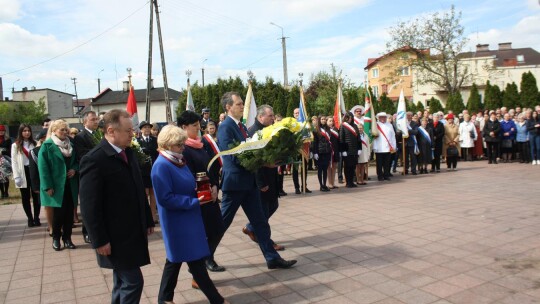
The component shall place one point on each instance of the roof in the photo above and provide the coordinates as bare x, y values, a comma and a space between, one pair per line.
109, 96
371, 61
45, 89
507, 57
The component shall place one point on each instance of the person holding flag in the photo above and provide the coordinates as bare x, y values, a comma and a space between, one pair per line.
300, 115
336, 156
383, 146
411, 145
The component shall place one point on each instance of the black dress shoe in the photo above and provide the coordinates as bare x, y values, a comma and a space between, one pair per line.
323, 189
56, 245
280, 263
414, 173
87, 239
297, 191
30, 223
211, 265
387, 178
308, 191
37, 222
69, 244
282, 193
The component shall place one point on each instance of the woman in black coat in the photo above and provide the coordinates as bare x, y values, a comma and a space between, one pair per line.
533, 126
426, 146
322, 153
334, 140
350, 148
491, 131
438, 135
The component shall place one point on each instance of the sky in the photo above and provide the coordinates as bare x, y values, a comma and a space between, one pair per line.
46, 43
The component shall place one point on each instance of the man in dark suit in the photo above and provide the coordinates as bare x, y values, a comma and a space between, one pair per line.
239, 186
266, 177
149, 147
411, 145
85, 141
115, 207
205, 119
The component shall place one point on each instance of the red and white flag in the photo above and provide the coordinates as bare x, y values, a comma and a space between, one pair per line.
131, 108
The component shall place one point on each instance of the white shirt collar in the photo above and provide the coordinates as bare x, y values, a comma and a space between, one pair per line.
117, 149
91, 132
235, 120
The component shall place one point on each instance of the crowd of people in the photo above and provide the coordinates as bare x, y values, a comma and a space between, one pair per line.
122, 198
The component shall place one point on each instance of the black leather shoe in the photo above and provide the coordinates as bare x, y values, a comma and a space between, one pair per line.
37, 222
308, 191
30, 223
280, 263
56, 244
282, 193
87, 239
211, 265
69, 244
297, 191
323, 189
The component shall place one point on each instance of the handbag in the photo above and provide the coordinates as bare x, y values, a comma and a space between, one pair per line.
506, 143
452, 151
471, 134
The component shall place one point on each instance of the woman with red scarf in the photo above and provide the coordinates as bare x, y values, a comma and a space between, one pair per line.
20, 151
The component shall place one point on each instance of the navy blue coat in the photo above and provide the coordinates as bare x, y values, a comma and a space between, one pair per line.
235, 177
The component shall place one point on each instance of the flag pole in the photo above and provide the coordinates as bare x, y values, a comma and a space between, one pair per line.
304, 173
403, 159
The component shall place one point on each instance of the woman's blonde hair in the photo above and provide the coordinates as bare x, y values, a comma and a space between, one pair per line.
55, 125
169, 136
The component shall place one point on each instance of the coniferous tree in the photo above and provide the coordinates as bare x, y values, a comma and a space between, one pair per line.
455, 103
474, 103
435, 105
497, 96
386, 105
529, 96
511, 96
420, 106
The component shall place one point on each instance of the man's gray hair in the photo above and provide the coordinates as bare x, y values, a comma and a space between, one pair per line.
261, 111
86, 114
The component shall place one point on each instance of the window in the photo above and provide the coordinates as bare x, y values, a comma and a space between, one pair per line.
404, 71
375, 91
375, 73
520, 58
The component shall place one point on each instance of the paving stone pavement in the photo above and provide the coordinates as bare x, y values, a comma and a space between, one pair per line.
470, 236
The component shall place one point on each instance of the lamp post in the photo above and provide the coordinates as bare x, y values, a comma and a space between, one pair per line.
203, 71
13, 86
284, 46
99, 81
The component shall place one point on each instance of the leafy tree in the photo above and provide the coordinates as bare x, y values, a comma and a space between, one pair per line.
474, 103
529, 96
294, 101
435, 105
436, 41
455, 103
497, 96
511, 96
32, 113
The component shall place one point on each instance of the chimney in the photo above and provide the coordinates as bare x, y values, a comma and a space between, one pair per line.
152, 83
505, 46
1, 90
125, 87
482, 47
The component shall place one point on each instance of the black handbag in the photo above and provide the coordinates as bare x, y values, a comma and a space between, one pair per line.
452, 151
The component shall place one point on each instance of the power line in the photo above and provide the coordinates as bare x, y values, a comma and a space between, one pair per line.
78, 46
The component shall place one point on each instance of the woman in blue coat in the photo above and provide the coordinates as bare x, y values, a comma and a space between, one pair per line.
180, 214
508, 131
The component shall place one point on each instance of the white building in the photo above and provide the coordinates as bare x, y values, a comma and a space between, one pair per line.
57, 104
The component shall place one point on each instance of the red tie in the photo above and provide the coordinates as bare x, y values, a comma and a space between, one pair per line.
242, 129
123, 156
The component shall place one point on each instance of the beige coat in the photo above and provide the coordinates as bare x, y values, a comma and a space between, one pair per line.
451, 134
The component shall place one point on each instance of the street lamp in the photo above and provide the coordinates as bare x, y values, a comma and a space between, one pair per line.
99, 81
13, 86
203, 71
283, 45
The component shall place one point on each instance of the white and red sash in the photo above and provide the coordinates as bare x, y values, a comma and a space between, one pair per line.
383, 134
357, 121
350, 128
334, 133
214, 146
325, 134
363, 141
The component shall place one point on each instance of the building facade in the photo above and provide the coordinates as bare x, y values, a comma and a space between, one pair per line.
57, 104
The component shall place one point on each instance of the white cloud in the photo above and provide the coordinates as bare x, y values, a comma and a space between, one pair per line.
523, 34
317, 10
24, 43
9, 10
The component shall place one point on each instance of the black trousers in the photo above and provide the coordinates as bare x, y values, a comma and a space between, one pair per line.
213, 225
350, 162
383, 165
451, 161
410, 159
296, 168
436, 162
26, 193
492, 150
63, 216
128, 286
322, 167
524, 151
4, 188
200, 275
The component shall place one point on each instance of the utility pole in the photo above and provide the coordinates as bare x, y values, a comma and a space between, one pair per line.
284, 46
76, 96
203, 72
168, 113
149, 74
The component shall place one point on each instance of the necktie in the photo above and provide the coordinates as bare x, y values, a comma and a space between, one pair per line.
242, 129
123, 156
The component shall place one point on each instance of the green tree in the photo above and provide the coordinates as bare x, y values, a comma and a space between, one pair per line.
420, 106
294, 101
386, 104
455, 103
474, 103
435, 105
511, 96
529, 96
436, 40
497, 96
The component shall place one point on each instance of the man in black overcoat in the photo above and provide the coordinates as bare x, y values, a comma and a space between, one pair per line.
115, 208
